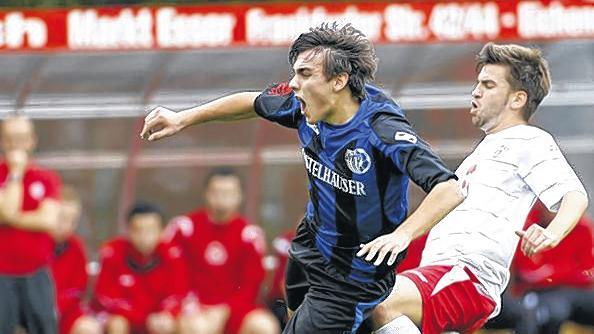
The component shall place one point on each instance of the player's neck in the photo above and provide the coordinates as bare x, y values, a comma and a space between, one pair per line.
345, 109
220, 217
507, 123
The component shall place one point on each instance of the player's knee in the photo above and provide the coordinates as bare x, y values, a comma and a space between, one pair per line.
259, 322
405, 300
117, 324
86, 325
194, 323
384, 313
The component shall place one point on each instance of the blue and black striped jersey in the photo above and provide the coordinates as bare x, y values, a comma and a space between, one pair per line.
358, 173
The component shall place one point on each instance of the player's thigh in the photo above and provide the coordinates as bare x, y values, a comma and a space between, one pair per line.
116, 324
38, 300
202, 323
296, 285
405, 299
259, 321
86, 325
331, 310
9, 304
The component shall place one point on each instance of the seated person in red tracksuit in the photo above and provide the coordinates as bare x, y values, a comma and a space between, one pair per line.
142, 280
559, 281
224, 254
68, 268
280, 247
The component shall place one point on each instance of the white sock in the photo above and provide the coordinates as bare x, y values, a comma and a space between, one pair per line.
400, 325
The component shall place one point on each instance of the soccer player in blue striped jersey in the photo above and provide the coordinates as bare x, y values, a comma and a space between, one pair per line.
359, 152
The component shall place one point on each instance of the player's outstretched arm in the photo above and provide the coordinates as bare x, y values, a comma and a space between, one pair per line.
162, 122
536, 238
442, 199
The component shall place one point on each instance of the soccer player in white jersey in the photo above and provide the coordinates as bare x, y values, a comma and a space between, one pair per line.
465, 264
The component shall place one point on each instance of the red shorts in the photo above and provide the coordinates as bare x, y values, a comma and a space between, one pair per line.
451, 300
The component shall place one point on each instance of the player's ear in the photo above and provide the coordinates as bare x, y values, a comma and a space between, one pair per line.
519, 100
341, 80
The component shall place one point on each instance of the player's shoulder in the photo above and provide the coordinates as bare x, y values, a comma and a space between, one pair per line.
169, 251
254, 234
278, 89
391, 127
378, 98
183, 224
526, 133
113, 248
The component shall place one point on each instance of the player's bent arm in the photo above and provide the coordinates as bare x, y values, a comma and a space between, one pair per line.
573, 205
44, 219
11, 200
228, 108
162, 122
536, 238
440, 201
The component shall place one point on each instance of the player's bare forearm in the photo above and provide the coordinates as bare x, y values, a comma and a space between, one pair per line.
44, 219
162, 122
228, 108
11, 203
440, 201
573, 205
536, 238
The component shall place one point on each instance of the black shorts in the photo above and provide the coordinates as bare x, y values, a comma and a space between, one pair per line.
324, 300
28, 301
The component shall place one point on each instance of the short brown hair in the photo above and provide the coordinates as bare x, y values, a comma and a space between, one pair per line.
528, 71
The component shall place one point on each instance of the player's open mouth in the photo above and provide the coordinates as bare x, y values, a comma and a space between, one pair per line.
474, 106
302, 104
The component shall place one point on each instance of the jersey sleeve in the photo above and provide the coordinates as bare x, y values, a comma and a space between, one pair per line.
397, 140
178, 231
278, 104
546, 171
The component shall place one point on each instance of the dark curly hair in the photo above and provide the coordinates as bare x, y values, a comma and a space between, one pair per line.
345, 50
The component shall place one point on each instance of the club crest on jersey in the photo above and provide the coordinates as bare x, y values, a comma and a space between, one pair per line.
357, 160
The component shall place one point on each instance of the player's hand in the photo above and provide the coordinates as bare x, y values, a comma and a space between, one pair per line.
160, 123
161, 322
536, 239
389, 244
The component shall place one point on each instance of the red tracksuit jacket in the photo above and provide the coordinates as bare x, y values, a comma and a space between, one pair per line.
225, 260
68, 268
135, 286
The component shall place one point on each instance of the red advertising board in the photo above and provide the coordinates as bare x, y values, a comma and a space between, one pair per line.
128, 28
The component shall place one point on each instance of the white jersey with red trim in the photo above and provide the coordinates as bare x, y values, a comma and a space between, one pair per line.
501, 180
